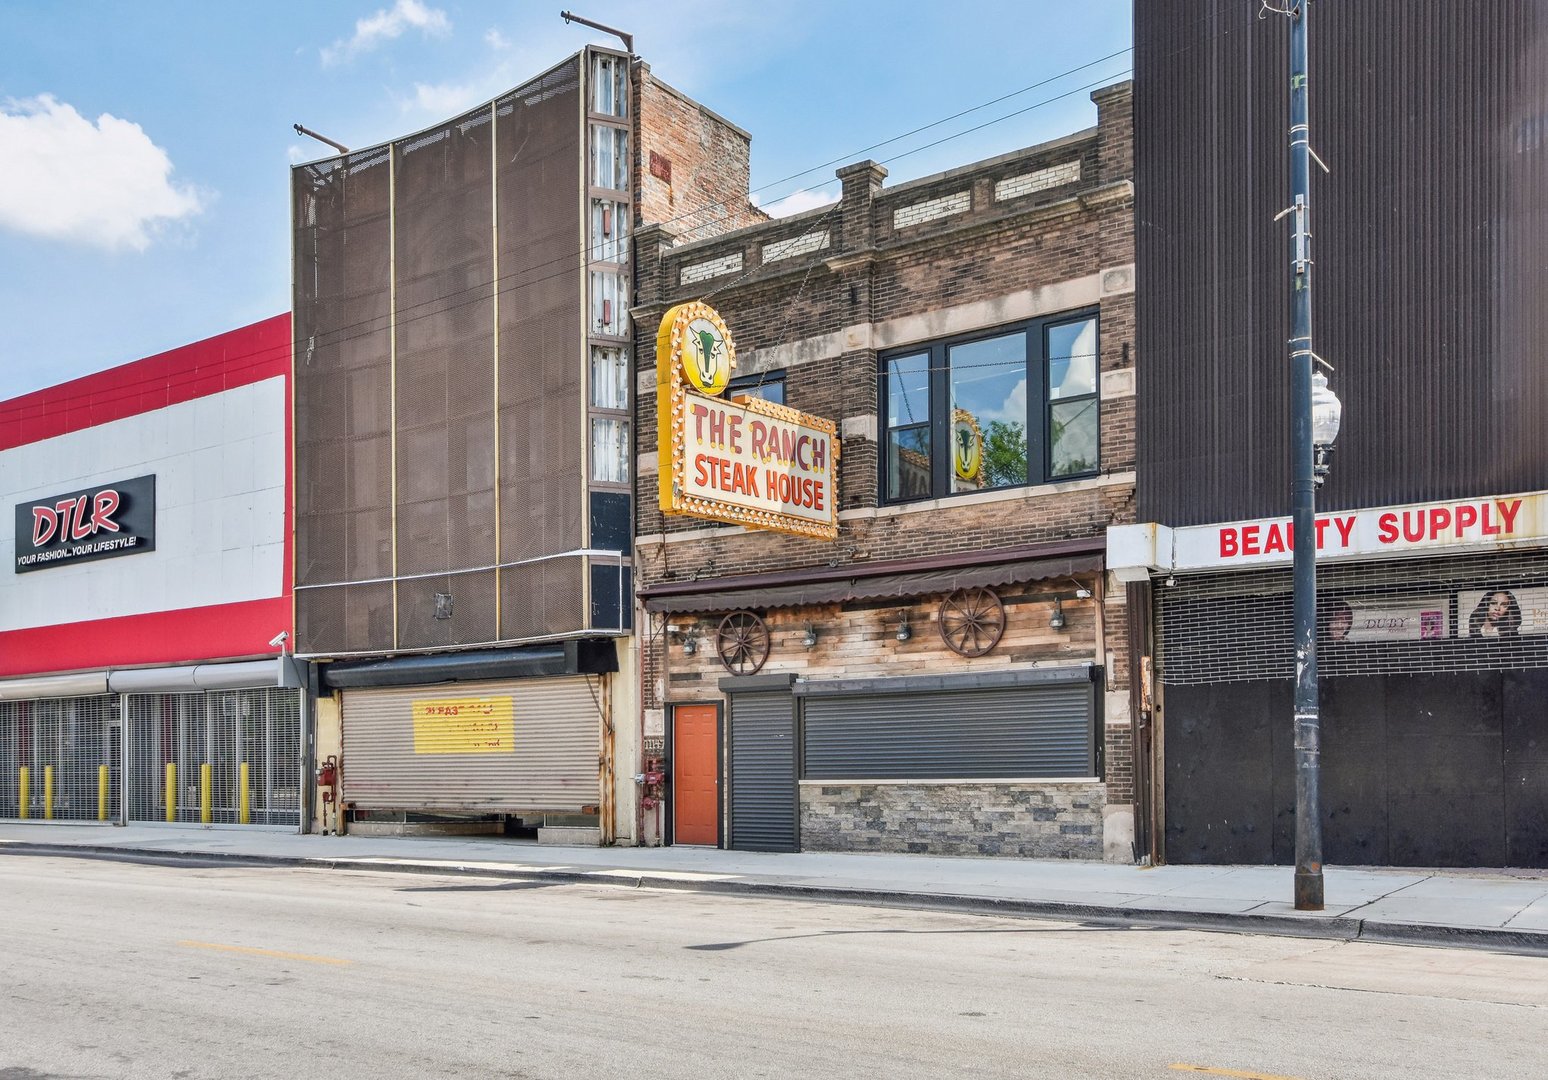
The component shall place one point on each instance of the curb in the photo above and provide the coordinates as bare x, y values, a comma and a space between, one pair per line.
1333, 928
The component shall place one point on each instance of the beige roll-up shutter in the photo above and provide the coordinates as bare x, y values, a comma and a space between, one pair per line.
521, 745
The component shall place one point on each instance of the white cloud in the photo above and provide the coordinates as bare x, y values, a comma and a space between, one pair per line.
796, 203
385, 25
444, 99
104, 184
496, 40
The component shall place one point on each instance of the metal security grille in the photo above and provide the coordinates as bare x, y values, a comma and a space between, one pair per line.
231, 757
60, 759
1024, 731
763, 772
518, 745
1411, 617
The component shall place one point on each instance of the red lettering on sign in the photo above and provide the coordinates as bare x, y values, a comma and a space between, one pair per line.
1250, 540
1508, 511
1345, 529
44, 522
1275, 540
1413, 526
1488, 529
1386, 528
1440, 520
1322, 529
736, 433
699, 413
1466, 515
1228, 544
103, 507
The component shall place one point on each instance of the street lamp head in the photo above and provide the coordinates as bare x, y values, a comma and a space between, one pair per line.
1327, 411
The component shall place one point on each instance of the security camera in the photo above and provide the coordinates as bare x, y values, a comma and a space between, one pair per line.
279, 639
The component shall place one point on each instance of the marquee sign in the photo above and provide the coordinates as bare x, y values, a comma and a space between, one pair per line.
99, 522
745, 461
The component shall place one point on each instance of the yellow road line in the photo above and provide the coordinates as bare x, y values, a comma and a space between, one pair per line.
303, 957
1239, 1074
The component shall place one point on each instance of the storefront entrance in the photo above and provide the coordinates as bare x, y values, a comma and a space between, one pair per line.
696, 774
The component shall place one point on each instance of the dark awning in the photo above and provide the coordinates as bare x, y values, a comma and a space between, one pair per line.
885, 586
585, 656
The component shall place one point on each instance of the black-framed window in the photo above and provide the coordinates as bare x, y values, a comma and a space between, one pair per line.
769, 385
1001, 408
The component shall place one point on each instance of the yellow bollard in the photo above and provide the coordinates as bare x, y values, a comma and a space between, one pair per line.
48, 793
204, 793
244, 798
171, 791
24, 790
102, 792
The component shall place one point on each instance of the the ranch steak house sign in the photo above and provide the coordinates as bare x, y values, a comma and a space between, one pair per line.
745, 461
1463, 525
99, 522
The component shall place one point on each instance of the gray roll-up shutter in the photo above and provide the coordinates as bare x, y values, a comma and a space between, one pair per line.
543, 758
1002, 733
763, 771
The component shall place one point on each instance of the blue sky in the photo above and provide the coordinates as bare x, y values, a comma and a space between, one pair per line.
147, 146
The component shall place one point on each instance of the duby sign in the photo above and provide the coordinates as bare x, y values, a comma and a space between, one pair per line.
94, 523
1466, 524
745, 461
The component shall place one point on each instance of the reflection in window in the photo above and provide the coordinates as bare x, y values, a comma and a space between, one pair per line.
768, 386
975, 414
1072, 395
989, 412
908, 427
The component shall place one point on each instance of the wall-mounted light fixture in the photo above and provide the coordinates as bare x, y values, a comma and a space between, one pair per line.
809, 639
686, 636
905, 631
1057, 621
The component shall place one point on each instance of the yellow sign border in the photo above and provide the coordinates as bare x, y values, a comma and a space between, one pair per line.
671, 440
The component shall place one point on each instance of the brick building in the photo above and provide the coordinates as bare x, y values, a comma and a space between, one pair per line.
949, 674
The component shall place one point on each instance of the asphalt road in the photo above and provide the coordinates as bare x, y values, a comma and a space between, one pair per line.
122, 970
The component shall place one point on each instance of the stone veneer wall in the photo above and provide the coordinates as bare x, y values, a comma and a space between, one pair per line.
1034, 821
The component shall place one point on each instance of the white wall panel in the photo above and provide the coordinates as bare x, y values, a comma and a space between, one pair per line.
219, 463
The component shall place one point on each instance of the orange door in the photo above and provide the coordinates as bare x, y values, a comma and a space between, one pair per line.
696, 774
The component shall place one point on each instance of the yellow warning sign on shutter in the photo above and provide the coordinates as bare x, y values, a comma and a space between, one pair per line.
478, 725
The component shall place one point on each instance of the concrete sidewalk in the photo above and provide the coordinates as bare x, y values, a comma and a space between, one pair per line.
1506, 910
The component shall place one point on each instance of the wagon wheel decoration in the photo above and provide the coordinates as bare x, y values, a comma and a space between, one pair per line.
742, 641
972, 621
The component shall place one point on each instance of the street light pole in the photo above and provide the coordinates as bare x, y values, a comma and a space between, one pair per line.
1308, 810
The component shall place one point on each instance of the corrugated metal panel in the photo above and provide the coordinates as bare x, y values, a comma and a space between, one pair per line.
763, 772
551, 766
1430, 244
1030, 731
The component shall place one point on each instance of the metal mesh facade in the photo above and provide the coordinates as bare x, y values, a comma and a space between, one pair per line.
1411, 617
52, 755
231, 757
441, 395
65, 758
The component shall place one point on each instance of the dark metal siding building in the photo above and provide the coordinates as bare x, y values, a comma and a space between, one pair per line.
1430, 239
1431, 246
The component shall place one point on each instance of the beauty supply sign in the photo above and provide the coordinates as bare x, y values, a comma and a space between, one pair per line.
100, 522
1467, 524
745, 461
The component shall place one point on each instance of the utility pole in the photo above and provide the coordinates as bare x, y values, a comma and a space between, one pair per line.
1308, 721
